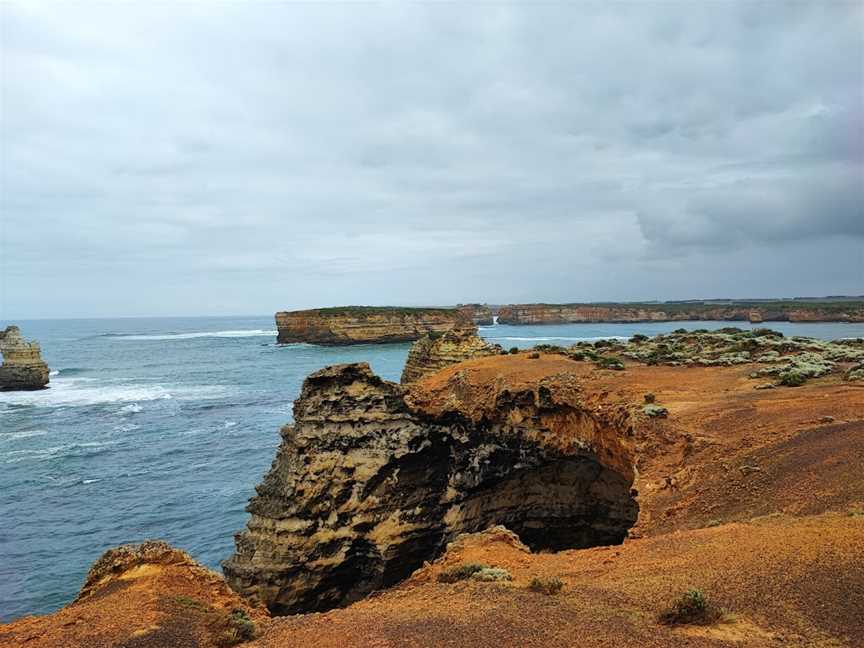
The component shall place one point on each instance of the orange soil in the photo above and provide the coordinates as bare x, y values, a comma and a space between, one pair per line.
148, 606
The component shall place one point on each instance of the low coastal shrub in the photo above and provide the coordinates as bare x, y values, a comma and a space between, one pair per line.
692, 608
610, 362
514, 350
460, 572
492, 574
792, 379
650, 398
548, 586
655, 411
243, 626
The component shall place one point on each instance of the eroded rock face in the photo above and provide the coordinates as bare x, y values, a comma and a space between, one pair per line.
479, 314
781, 312
370, 481
363, 324
433, 352
23, 367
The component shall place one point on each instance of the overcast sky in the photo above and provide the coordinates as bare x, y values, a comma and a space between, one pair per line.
246, 157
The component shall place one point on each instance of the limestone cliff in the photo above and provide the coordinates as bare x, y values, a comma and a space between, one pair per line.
367, 483
363, 324
23, 367
480, 314
433, 352
769, 312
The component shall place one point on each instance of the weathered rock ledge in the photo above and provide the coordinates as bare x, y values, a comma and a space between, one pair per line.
435, 351
23, 367
364, 324
373, 479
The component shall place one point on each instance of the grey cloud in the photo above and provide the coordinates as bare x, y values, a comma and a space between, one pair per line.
297, 155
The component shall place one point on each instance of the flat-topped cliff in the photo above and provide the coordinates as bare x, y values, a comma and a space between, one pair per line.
363, 324
779, 311
23, 367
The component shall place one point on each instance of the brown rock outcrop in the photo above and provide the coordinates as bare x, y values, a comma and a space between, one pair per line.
770, 312
363, 324
144, 596
433, 351
371, 480
23, 367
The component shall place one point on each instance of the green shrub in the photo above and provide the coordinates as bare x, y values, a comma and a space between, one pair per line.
610, 362
548, 586
792, 379
514, 350
692, 607
460, 572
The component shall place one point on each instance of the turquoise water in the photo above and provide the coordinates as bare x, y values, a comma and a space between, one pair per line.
160, 428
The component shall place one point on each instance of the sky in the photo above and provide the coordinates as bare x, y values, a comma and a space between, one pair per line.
222, 158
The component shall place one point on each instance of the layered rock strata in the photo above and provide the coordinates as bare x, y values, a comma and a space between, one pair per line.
780, 312
433, 352
23, 367
367, 483
363, 324
480, 314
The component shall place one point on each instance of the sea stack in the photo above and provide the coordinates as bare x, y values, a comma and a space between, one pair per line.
346, 325
436, 351
23, 367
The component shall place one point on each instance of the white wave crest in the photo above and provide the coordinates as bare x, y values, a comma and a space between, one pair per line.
198, 334
83, 392
26, 434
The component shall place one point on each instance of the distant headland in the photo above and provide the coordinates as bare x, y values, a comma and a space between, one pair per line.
344, 325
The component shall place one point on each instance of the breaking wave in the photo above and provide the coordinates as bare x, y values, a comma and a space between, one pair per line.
82, 392
191, 336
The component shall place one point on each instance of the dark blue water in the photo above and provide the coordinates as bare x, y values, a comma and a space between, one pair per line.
160, 428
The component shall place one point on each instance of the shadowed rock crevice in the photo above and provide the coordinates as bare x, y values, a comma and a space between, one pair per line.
370, 482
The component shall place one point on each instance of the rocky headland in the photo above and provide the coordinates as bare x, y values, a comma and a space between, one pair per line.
523, 499
371, 480
480, 314
791, 311
364, 324
23, 367
434, 351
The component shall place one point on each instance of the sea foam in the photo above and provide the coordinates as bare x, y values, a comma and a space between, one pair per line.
196, 334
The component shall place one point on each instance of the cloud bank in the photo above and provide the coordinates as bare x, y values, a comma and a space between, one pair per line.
228, 158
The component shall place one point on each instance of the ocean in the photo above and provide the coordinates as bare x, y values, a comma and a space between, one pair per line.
161, 428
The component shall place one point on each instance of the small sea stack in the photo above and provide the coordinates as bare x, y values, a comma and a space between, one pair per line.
23, 367
435, 351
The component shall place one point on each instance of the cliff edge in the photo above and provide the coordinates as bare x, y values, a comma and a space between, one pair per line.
365, 486
739, 312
